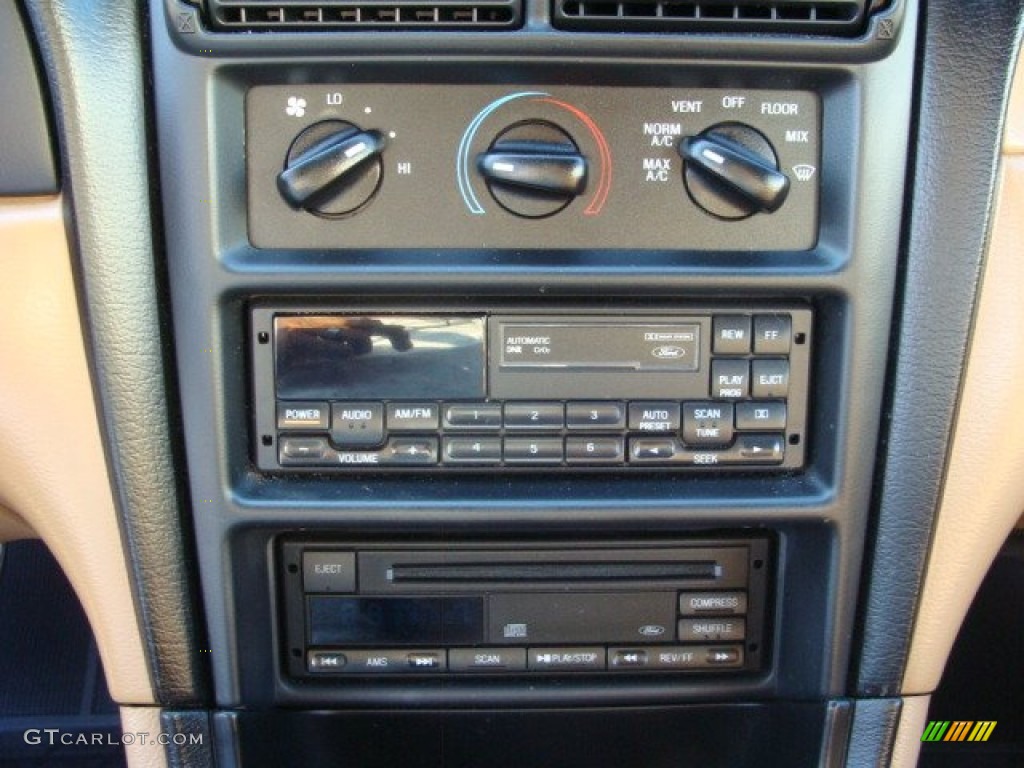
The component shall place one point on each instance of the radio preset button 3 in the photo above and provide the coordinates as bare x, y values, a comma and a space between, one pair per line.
307, 417
731, 335
472, 450
531, 450
597, 415
707, 423
412, 417
357, 425
473, 416
730, 379
654, 417
595, 450
534, 416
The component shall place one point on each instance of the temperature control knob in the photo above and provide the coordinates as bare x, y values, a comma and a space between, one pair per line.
333, 169
732, 172
533, 169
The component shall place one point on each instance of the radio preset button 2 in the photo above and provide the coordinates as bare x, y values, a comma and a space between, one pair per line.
772, 334
566, 659
595, 450
730, 379
707, 423
654, 417
597, 415
770, 378
357, 425
307, 417
533, 450
697, 630
712, 603
731, 335
761, 415
412, 417
487, 660
534, 416
473, 416
472, 450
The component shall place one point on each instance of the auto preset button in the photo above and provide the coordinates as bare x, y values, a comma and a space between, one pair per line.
654, 417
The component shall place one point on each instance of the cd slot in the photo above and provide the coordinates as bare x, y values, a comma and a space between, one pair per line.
551, 572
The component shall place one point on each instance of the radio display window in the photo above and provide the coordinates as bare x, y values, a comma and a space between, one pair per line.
345, 357
395, 620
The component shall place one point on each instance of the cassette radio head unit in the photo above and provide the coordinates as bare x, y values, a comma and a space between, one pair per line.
707, 388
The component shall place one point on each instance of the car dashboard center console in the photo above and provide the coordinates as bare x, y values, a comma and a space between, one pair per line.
531, 359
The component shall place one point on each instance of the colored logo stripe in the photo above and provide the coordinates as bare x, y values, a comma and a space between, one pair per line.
958, 730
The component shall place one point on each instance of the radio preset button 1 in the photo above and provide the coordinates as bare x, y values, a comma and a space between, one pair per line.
531, 450
412, 417
303, 450
472, 450
308, 417
761, 415
566, 659
357, 425
487, 660
712, 603
731, 335
473, 416
698, 630
770, 378
772, 334
595, 450
598, 415
654, 417
707, 423
730, 379
534, 416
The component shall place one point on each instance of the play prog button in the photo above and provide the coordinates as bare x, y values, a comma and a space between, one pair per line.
329, 571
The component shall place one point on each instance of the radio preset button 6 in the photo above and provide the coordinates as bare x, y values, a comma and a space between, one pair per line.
598, 415
772, 334
472, 450
707, 423
654, 417
473, 416
529, 450
412, 417
770, 378
357, 425
698, 630
534, 416
566, 659
595, 450
730, 379
308, 417
487, 660
761, 415
731, 335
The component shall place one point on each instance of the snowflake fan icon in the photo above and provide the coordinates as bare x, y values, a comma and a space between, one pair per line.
296, 106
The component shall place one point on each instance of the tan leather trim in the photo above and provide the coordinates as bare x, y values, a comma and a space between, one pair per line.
53, 473
13, 527
984, 490
913, 717
141, 729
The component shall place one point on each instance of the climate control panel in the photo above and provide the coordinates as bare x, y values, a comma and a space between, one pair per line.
473, 166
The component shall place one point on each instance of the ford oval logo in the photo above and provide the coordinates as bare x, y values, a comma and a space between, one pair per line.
651, 630
668, 352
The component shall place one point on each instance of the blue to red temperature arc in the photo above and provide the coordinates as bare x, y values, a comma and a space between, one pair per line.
463, 162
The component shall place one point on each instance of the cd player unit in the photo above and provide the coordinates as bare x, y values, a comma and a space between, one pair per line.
463, 609
707, 388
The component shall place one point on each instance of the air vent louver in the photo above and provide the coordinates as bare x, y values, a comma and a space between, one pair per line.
265, 16
815, 17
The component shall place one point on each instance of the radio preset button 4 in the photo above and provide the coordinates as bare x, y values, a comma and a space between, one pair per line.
357, 425
473, 416
472, 450
654, 417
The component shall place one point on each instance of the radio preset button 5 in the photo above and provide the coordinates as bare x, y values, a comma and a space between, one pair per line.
599, 415
654, 417
772, 334
534, 416
595, 450
473, 416
472, 450
731, 335
770, 378
308, 417
412, 417
356, 425
707, 423
730, 379
761, 415
530, 450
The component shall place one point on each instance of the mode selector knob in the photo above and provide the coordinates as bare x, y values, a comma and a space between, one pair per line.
731, 171
333, 169
533, 169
